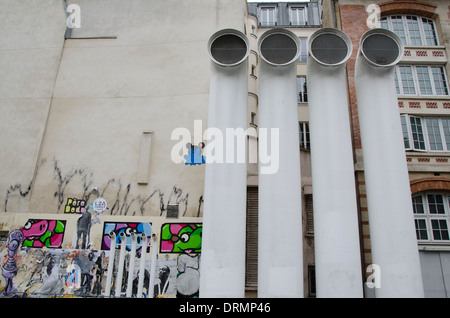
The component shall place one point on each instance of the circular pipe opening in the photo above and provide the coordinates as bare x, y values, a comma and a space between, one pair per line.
279, 47
381, 47
228, 47
330, 47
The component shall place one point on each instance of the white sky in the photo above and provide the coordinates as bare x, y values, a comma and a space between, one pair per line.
277, 0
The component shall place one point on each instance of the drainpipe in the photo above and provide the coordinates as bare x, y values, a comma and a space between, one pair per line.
391, 221
280, 251
222, 272
336, 232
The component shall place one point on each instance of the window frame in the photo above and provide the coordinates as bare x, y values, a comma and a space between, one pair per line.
387, 22
406, 119
262, 14
400, 80
304, 135
295, 10
302, 90
430, 218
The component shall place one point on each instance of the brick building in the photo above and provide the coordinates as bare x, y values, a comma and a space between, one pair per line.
423, 100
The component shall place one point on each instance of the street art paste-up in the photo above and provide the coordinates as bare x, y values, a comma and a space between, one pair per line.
127, 228
99, 206
195, 157
75, 206
181, 238
9, 268
40, 233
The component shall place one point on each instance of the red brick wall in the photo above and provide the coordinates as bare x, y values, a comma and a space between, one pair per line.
408, 7
353, 23
430, 184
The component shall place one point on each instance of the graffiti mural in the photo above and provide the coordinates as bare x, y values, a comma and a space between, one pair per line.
181, 238
75, 206
128, 229
40, 233
57, 273
188, 278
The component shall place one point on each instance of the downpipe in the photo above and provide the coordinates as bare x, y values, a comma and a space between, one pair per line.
336, 231
391, 221
280, 247
222, 271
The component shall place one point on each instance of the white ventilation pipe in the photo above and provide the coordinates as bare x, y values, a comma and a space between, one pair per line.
112, 251
123, 245
222, 272
142, 269
154, 247
131, 267
336, 232
391, 221
280, 251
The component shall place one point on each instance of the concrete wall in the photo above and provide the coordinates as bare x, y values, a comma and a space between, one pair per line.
77, 113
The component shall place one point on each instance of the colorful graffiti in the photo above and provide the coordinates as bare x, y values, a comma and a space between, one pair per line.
75, 206
127, 229
40, 233
181, 238
57, 273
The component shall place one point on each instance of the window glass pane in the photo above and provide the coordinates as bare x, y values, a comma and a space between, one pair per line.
417, 133
414, 31
424, 80
303, 50
397, 85
440, 83
384, 23
405, 132
440, 229
430, 33
298, 16
421, 229
418, 204
446, 127
434, 133
268, 16
435, 203
407, 80
304, 135
398, 27
302, 94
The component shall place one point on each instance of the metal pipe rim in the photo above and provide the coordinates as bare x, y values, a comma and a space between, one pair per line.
228, 32
387, 34
279, 31
330, 31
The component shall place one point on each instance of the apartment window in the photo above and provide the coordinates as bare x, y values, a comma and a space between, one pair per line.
413, 30
421, 80
268, 16
304, 136
303, 50
298, 15
431, 216
302, 93
426, 134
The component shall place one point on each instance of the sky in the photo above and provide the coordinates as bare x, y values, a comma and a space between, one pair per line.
277, 1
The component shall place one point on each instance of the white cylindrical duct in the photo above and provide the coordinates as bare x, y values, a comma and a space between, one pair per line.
154, 248
280, 248
336, 231
142, 269
131, 267
123, 245
391, 221
112, 250
222, 271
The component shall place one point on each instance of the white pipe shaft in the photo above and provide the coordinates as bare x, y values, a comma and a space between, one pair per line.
391, 221
142, 268
153, 263
131, 267
280, 248
336, 234
222, 271
112, 250
119, 277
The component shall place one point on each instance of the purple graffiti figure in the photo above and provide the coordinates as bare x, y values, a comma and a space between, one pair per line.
9, 270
